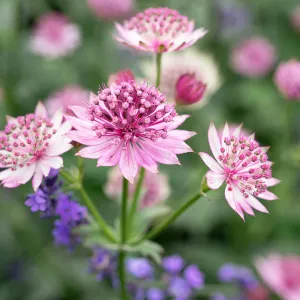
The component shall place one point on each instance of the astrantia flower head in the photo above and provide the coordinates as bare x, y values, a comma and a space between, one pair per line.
244, 165
159, 30
69, 95
31, 146
287, 79
156, 188
189, 77
113, 9
54, 36
254, 57
281, 274
129, 125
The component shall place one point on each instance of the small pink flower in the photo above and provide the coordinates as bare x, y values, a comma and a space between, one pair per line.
188, 77
295, 18
155, 188
281, 274
69, 95
287, 79
31, 146
125, 75
159, 30
54, 36
111, 10
243, 164
254, 57
129, 125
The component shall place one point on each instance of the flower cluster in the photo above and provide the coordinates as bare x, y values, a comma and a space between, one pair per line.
159, 30
281, 274
176, 279
254, 57
31, 146
130, 125
52, 202
54, 36
245, 167
287, 79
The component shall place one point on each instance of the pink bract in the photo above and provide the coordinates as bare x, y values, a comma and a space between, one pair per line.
31, 146
129, 125
158, 30
254, 57
281, 274
125, 75
243, 165
287, 79
155, 188
54, 36
68, 96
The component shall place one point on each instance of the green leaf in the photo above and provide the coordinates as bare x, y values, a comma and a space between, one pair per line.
147, 248
152, 213
97, 239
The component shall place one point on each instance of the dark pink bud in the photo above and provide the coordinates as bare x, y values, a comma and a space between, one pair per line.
189, 90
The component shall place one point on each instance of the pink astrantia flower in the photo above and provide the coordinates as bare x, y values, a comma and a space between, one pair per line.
159, 30
295, 18
31, 146
254, 57
281, 274
287, 79
129, 125
54, 36
156, 188
111, 10
243, 164
68, 96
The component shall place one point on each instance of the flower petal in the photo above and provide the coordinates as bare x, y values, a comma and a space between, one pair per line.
214, 180
79, 111
241, 200
214, 141
128, 165
144, 160
181, 134
37, 180
40, 110
174, 145
111, 156
158, 153
211, 163
57, 118
267, 195
272, 181
232, 203
256, 204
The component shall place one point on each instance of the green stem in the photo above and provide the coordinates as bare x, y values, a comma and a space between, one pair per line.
122, 254
158, 68
101, 222
173, 217
136, 197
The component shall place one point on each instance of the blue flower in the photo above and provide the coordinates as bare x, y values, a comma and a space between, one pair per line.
194, 277
173, 264
140, 268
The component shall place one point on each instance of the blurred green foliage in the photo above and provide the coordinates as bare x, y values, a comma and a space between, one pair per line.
210, 234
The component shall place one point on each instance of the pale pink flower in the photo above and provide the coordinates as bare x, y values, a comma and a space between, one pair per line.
159, 30
232, 127
281, 274
287, 79
54, 36
111, 9
155, 188
243, 164
254, 57
295, 18
129, 125
125, 75
69, 95
31, 146
188, 77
